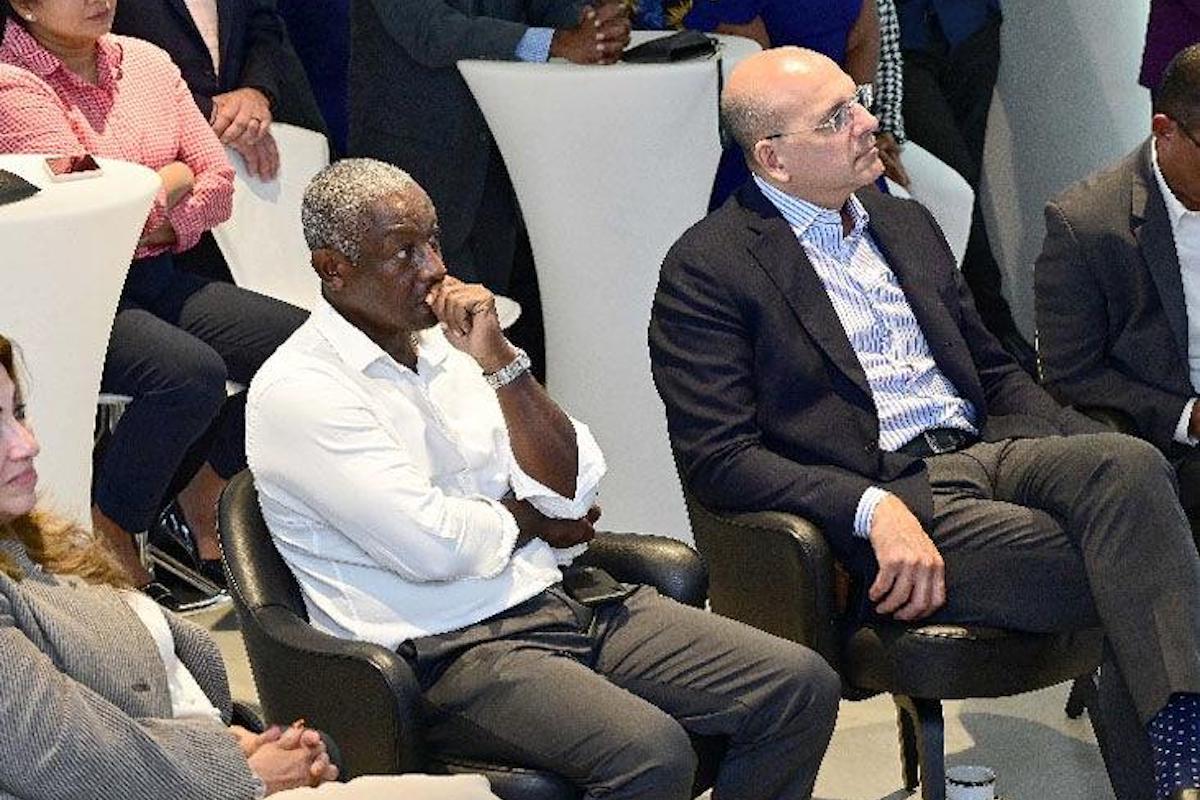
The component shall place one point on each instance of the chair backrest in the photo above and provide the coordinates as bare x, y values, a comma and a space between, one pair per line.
258, 575
262, 241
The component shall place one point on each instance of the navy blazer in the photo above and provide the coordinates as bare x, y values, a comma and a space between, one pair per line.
767, 404
250, 36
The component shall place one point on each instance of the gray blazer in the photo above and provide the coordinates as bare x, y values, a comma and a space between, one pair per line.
1112, 325
410, 107
85, 711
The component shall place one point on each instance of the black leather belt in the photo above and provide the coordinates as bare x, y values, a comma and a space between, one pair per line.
937, 441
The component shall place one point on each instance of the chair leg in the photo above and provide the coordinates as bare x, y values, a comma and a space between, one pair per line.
1082, 697
925, 726
910, 758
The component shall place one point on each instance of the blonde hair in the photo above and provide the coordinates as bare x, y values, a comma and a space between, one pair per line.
59, 546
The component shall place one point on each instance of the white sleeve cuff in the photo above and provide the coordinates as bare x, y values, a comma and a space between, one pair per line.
587, 480
864, 515
1181, 429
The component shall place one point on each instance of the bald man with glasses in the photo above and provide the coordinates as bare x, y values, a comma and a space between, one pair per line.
819, 353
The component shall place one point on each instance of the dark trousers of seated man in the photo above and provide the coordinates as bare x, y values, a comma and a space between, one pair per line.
607, 696
1188, 471
1062, 533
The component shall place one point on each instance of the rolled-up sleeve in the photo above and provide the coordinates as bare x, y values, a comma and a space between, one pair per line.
587, 479
346, 469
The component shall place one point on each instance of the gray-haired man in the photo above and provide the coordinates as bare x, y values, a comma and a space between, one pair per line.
426, 492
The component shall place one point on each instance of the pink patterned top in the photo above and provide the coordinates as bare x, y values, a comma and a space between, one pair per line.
140, 110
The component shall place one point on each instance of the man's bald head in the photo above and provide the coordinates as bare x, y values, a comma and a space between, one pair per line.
762, 87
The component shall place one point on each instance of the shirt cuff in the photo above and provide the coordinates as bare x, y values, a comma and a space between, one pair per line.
865, 514
1181, 429
535, 45
591, 469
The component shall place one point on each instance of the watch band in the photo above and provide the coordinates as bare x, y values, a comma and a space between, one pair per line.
510, 371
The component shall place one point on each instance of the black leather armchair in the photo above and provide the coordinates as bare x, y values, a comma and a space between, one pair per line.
365, 696
775, 571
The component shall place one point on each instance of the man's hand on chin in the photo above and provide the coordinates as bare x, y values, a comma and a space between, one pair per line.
467, 313
911, 583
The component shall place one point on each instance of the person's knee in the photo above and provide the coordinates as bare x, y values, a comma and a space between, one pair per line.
1132, 461
814, 688
200, 385
659, 762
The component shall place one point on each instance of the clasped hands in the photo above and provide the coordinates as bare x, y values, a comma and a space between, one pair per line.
286, 758
911, 583
242, 120
600, 36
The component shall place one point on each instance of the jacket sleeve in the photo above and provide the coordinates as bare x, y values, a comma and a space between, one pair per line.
435, 34
702, 357
199, 653
263, 43
1072, 321
62, 740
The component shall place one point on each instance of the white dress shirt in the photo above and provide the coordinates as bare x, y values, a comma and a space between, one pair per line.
1185, 230
204, 15
381, 485
188, 700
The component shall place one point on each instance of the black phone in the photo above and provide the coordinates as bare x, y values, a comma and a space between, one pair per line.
592, 586
72, 168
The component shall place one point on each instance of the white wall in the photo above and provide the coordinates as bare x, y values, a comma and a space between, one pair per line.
1066, 104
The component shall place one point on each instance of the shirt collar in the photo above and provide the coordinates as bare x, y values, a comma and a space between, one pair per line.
21, 49
358, 350
1176, 211
803, 216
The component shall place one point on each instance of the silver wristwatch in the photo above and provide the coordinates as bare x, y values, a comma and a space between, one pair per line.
510, 371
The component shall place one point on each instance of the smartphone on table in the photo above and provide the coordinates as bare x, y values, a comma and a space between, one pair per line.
72, 168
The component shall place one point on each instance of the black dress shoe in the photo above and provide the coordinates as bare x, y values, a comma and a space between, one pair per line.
161, 595
1185, 794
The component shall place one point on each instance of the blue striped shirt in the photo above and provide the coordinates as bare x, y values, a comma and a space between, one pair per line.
911, 394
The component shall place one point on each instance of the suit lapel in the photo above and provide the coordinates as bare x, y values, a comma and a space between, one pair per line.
225, 20
1152, 229
180, 9
784, 260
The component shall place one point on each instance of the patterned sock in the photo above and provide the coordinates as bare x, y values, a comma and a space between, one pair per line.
1175, 739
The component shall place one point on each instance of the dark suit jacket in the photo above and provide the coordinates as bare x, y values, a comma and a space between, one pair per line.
1112, 325
410, 107
767, 404
250, 35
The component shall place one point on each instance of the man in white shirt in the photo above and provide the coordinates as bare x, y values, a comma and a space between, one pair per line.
1118, 284
427, 493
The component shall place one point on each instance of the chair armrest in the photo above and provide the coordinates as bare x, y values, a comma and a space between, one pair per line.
301, 672
1113, 418
669, 565
771, 570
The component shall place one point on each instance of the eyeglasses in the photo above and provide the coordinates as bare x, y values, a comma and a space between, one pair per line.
836, 122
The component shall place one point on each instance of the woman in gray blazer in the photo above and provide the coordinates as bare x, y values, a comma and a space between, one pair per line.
108, 695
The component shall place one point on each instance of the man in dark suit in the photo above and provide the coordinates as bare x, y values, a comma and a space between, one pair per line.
410, 107
235, 58
818, 353
1117, 287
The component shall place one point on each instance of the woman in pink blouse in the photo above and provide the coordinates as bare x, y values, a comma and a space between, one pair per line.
69, 86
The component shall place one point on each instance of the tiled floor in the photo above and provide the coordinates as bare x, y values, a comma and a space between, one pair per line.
1037, 753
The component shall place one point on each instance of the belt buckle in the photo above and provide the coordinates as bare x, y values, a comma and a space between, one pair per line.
942, 440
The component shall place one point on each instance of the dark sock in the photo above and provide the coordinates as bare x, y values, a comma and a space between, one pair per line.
1175, 739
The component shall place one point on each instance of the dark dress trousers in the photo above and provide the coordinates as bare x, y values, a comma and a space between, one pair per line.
1112, 324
